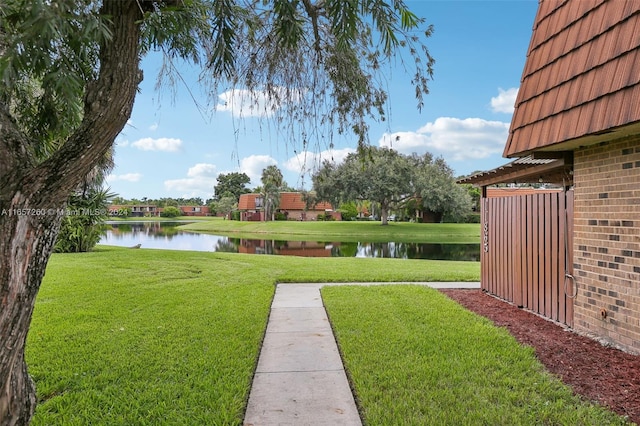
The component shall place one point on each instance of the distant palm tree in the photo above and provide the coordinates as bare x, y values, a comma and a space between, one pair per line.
272, 183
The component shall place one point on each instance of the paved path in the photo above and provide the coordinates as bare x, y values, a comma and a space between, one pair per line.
300, 379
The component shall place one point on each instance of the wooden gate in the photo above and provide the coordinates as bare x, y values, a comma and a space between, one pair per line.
526, 254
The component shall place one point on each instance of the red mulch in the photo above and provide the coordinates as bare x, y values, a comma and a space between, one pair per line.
603, 374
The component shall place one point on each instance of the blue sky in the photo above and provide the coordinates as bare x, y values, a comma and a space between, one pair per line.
170, 148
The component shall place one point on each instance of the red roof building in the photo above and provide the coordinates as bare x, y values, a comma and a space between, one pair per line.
292, 204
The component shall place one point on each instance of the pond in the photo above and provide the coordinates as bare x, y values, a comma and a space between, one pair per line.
166, 235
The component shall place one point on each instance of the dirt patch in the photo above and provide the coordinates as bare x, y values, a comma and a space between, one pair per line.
606, 375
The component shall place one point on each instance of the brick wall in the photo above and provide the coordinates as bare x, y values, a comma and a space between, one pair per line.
607, 241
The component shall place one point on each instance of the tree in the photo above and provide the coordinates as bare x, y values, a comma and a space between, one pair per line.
69, 73
234, 184
272, 184
118, 200
380, 175
226, 205
171, 211
438, 190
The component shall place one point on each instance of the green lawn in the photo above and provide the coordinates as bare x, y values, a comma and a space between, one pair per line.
122, 337
416, 357
370, 231
155, 337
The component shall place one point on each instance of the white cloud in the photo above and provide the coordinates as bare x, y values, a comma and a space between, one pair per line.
505, 100
160, 144
454, 138
248, 103
153, 127
308, 161
202, 170
200, 180
128, 177
253, 166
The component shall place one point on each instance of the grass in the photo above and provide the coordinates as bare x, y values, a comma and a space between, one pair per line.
416, 357
369, 231
149, 337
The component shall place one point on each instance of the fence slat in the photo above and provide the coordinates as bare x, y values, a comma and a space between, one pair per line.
555, 254
570, 288
546, 254
562, 246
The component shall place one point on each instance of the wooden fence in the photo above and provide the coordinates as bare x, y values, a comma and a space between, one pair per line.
526, 252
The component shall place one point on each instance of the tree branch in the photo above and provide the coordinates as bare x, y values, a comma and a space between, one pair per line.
313, 12
16, 158
108, 101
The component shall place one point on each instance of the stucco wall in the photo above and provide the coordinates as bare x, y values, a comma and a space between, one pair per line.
607, 241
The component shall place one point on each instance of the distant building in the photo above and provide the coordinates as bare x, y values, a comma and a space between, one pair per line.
136, 210
292, 205
195, 210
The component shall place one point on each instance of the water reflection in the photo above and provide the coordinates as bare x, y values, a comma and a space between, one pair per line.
165, 235
394, 250
157, 235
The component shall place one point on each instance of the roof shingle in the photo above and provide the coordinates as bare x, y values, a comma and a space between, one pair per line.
581, 75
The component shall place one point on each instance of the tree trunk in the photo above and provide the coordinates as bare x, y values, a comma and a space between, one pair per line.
33, 196
26, 240
384, 214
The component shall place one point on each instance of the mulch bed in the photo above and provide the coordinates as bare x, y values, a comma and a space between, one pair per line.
606, 375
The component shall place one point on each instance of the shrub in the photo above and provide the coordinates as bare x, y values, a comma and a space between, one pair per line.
82, 226
349, 211
171, 211
472, 218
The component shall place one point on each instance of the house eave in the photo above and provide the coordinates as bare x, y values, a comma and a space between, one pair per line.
527, 170
606, 135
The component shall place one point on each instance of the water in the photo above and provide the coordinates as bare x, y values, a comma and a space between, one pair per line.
165, 235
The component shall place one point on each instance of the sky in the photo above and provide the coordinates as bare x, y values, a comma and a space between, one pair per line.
172, 147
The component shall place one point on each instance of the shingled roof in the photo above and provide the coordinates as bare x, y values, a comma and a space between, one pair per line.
294, 201
581, 78
288, 201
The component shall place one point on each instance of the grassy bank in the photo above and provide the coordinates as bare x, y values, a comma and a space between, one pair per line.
123, 337
415, 357
369, 231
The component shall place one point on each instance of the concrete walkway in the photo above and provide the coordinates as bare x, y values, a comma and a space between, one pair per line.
300, 379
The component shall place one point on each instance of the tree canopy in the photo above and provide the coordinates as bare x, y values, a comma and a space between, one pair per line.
234, 184
393, 181
69, 74
380, 175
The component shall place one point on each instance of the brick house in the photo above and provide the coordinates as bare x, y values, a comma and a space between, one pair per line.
195, 210
574, 256
251, 207
136, 210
